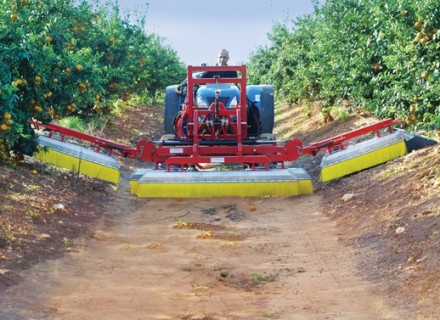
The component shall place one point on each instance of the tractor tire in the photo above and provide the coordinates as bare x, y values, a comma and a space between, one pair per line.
267, 111
253, 119
263, 97
172, 107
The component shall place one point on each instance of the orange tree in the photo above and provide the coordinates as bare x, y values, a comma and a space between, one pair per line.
59, 58
382, 55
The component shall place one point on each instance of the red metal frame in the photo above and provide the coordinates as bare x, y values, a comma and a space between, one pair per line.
113, 148
340, 142
239, 150
194, 112
192, 154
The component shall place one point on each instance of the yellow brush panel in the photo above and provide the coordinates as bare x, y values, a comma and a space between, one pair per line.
362, 162
134, 186
223, 189
91, 169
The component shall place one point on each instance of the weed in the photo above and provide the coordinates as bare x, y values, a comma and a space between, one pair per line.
31, 187
260, 278
393, 225
343, 115
181, 224
67, 243
206, 235
33, 213
97, 125
16, 197
202, 287
7, 233
390, 172
73, 122
154, 245
52, 171
267, 315
7, 207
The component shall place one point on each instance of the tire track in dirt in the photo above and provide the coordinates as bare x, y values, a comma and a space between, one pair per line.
203, 259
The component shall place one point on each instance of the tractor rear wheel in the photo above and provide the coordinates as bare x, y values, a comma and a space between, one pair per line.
267, 113
172, 107
262, 96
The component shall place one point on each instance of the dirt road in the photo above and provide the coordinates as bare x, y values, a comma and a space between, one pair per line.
272, 258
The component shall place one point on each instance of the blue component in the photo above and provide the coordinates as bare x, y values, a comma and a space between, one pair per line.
263, 97
206, 94
254, 94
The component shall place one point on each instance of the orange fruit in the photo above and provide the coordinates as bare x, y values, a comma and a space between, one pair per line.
432, 32
7, 116
70, 46
412, 118
71, 107
113, 87
4, 127
14, 17
253, 208
79, 67
48, 39
376, 67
